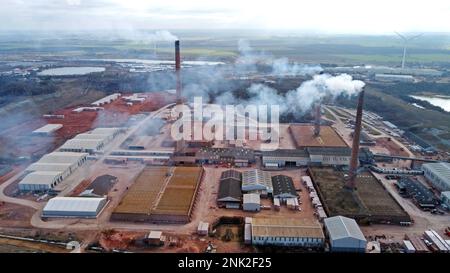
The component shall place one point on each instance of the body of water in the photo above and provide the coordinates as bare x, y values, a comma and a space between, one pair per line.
441, 101
71, 71
156, 62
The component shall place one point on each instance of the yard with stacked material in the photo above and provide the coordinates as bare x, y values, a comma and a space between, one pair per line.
179, 194
141, 197
371, 202
154, 199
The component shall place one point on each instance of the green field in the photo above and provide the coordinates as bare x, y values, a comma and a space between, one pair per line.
338, 49
397, 58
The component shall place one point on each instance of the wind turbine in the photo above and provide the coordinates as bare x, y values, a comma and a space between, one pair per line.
405, 44
155, 47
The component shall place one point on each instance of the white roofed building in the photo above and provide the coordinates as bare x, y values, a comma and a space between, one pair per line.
111, 132
74, 159
50, 170
90, 142
79, 207
47, 130
257, 180
438, 174
40, 181
102, 137
251, 202
106, 100
82, 145
345, 234
64, 168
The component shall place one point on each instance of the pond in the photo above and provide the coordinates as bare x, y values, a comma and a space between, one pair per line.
441, 101
71, 71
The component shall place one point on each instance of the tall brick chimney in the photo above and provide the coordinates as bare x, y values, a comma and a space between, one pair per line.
351, 183
317, 116
177, 70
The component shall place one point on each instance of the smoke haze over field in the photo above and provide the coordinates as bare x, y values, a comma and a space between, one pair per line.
297, 101
303, 98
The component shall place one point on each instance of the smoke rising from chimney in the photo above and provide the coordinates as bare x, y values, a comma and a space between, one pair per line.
303, 98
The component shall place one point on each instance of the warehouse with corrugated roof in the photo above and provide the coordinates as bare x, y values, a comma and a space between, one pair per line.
229, 195
438, 174
82, 145
233, 174
40, 181
90, 142
287, 232
257, 180
283, 187
78, 207
50, 170
345, 234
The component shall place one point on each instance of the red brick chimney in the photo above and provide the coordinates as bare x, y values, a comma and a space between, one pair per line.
351, 183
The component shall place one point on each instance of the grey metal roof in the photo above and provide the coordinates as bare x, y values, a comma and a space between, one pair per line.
343, 227
283, 184
286, 153
81, 144
256, 177
40, 178
344, 151
75, 204
252, 198
441, 170
49, 167
49, 128
217, 153
62, 157
231, 174
229, 189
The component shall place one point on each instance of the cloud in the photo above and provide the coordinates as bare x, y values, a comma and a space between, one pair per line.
73, 2
345, 16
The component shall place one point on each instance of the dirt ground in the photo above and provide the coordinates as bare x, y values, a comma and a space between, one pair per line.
15, 170
12, 215
391, 146
19, 246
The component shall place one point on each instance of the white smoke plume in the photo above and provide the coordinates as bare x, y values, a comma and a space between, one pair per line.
140, 36
163, 35
321, 86
300, 100
282, 67
279, 66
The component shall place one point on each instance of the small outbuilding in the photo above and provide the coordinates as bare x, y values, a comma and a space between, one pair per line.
252, 202
47, 130
155, 238
202, 228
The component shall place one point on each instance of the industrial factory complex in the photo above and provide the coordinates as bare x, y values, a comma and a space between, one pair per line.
328, 186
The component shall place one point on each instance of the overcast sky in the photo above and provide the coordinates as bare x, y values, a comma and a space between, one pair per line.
329, 16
